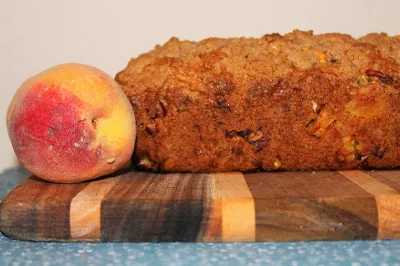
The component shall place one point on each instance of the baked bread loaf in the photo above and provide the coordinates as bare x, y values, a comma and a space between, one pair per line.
294, 102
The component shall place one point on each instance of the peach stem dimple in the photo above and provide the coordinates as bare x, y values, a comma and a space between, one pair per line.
94, 123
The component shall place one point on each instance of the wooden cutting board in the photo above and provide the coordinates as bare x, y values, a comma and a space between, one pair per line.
277, 206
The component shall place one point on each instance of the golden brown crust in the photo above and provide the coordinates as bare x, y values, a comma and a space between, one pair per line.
293, 102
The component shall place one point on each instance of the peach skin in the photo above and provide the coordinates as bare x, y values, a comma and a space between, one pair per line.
71, 123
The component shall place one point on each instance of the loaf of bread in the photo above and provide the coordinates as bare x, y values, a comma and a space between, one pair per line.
294, 102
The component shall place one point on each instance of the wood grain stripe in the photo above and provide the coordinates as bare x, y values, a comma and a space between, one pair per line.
369, 183
391, 178
211, 229
85, 209
321, 205
38, 210
387, 201
156, 207
238, 210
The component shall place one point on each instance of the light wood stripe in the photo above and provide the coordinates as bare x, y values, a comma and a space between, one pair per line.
389, 213
85, 210
369, 183
237, 207
387, 201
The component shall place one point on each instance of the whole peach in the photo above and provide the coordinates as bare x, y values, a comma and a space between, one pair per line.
71, 123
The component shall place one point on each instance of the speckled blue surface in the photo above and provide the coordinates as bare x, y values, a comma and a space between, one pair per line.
354, 253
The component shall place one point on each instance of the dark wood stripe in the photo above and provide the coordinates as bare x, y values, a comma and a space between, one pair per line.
39, 210
211, 223
316, 184
306, 206
150, 207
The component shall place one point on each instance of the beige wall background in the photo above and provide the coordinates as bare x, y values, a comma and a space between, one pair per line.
35, 35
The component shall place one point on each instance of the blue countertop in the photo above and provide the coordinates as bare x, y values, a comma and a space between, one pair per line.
13, 252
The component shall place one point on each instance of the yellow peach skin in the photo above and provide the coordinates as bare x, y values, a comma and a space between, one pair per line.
71, 123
